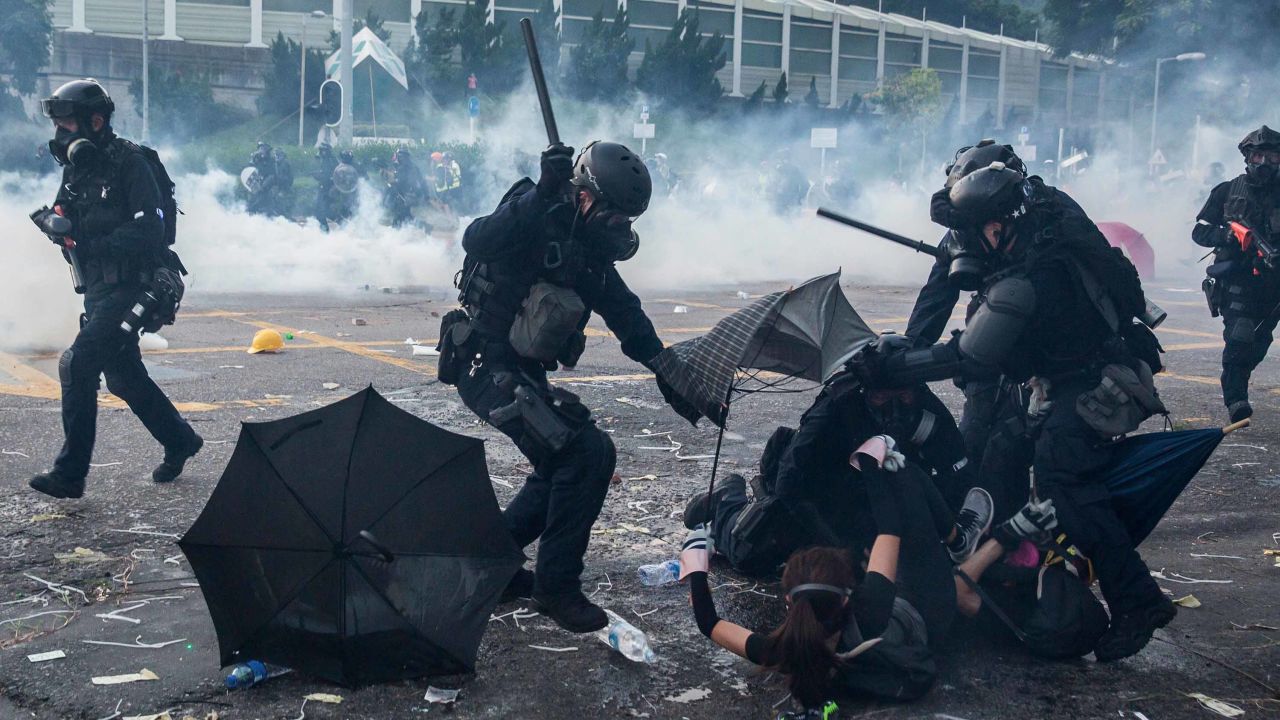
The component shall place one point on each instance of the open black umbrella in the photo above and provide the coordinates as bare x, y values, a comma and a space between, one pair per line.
1150, 471
356, 542
807, 332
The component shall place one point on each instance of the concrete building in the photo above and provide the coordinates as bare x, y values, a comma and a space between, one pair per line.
846, 49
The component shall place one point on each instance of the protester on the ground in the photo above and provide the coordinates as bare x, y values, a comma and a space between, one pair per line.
899, 610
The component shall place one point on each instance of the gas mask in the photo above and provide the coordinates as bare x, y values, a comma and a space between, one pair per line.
610, 237
968, 262
72, 148
901, 415
1263, 172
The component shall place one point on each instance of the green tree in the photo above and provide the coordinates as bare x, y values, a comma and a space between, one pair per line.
488, 51
913, 99
811, 98
681, 71
182, 104
429, 58
780, 91
598, 63
371, 20
280, 92
25, 33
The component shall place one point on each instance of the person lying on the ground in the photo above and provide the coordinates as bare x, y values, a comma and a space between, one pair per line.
838, 624
807, 493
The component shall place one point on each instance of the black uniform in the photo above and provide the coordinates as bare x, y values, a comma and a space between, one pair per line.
406, 189
812, 494
114, 207
530, 239
1243, 288
1066, 340
326, 163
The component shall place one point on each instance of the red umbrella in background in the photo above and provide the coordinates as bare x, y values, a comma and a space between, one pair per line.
1134, 244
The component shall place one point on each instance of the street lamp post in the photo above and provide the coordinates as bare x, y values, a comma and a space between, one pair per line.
1155, 98
302, 75
146, 74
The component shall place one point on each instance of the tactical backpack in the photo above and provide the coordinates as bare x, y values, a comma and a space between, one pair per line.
166, 281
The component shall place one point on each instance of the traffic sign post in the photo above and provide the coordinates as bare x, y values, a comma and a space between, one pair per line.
473, 111
644, 132
821, 139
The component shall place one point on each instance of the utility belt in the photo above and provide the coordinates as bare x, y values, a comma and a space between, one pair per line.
551, 416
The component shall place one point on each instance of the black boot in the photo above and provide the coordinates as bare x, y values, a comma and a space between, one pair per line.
56, 485
571, 611
702, 507
520, 586
171, 468
1240, 410
1131, 632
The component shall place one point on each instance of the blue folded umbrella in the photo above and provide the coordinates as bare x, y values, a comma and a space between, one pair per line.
1150, 471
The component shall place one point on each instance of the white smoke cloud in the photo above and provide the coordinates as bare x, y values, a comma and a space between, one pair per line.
38, 308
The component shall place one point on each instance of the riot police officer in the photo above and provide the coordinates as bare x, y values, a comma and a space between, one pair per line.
534, 271
110, 195
1241, 222
326, 162
1058, 312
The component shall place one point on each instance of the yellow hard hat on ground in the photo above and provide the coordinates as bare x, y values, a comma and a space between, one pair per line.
266, 341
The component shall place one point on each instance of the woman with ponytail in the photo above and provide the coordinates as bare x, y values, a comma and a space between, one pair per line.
832, 614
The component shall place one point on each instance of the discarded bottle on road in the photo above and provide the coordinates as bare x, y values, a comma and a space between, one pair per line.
626, 639
250, 673
659, 573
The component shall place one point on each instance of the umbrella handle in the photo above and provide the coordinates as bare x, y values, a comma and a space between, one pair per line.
382, 549
1235, 426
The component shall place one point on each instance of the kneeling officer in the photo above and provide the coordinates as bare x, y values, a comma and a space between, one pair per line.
109, 195
534, 271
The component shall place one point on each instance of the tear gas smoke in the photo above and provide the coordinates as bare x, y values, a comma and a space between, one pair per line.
38, 310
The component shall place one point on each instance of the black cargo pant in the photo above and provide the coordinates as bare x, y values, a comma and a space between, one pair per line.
561, 500
1248, 324
102, 348
1068, 455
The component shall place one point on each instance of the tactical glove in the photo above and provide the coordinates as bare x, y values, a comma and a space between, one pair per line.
557, 170
1033, 522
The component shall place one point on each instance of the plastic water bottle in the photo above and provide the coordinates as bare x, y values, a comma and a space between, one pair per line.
660, 573
250, 673
626, 639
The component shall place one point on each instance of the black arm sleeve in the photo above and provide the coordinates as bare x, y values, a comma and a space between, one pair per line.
936, 362
142, 235
623, 314
506, 230
882, 497
934, 304
1210, 228
873, 604
704, 612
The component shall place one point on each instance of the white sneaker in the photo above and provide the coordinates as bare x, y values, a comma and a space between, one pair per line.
972, 523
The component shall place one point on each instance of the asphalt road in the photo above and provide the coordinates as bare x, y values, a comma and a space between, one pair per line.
1228, 648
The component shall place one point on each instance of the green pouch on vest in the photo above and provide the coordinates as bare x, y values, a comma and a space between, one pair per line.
547, 321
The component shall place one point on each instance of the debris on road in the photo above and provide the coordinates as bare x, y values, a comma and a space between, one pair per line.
330, 385
1222, 557
680, 309
15, 452
443, 696
690, 695
230, 367
359, 322
145, 530
425, 350
82, 555
1183, 579
744, 295
1189, 601
554, 649
1225, 709
42, 517
46, 656
137, 643
324, 698
141, 675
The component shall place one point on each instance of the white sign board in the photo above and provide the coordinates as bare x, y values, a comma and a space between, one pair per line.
1026, 152
1157, 158
1075, 159
643, 131
823, 138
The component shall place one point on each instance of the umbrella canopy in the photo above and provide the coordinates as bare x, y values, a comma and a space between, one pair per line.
807, 332
356, 542
1150, 471
1134, 244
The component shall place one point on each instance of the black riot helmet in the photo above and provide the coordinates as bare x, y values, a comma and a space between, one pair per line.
1265, 141
79, 99
996, 192
978, 156
616, 177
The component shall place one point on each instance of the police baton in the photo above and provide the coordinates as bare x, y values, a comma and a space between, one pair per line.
917, 245
540, 82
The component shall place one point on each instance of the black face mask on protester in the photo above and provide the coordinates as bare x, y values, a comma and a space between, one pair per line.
72, 148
